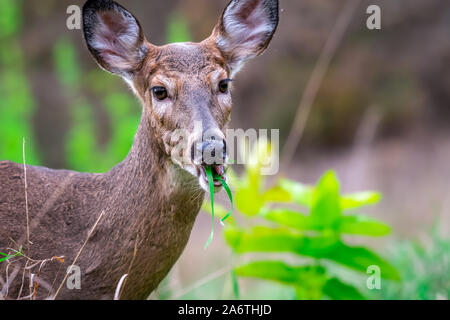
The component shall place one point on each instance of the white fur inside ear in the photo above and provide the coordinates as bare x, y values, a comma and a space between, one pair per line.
246, 29
116, 39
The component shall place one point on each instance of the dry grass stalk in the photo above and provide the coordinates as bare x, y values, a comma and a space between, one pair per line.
79, 253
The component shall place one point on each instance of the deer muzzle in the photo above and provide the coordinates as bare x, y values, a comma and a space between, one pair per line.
210, 153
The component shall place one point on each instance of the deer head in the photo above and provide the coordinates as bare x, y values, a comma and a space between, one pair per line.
184, 87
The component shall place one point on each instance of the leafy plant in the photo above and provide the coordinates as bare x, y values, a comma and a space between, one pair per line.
317, 235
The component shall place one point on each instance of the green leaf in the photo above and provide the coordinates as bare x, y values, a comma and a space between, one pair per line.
279, 271
276, 194
249, 194
354, 224
357, 200
287, 218
307, 280
362, 225
248, 201
262, 239
325, 208
360, 258
311, 290
311, 286
335, 289
300, 193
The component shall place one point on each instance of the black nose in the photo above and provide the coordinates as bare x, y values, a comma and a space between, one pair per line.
209, 152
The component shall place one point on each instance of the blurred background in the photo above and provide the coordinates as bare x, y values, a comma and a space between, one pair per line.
380, 120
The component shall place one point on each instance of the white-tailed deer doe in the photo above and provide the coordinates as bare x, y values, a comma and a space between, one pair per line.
149, 202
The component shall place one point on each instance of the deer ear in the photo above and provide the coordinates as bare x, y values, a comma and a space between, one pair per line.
114, 37
245, 30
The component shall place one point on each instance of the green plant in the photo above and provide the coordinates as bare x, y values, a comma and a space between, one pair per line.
83, 150
212, 175
9, 256
274, 223
177, 28
425, 268
17, 102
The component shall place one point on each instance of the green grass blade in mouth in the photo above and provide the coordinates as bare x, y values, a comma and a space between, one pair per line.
230, 196
211, 175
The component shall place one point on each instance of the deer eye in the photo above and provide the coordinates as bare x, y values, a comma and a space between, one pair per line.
224, 85
160, 93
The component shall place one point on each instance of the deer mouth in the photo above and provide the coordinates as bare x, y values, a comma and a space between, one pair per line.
218, 171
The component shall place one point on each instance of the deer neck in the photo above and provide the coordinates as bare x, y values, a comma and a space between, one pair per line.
150, 179
150, 206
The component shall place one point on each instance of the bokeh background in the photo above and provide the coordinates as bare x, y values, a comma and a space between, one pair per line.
380, 119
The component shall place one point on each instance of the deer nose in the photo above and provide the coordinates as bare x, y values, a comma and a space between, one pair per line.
209, 152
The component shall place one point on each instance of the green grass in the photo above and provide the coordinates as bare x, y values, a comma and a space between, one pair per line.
212, 175
8, 256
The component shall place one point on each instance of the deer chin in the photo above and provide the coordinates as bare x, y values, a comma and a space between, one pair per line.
199, 172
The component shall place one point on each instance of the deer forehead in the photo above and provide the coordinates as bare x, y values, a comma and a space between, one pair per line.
188, 61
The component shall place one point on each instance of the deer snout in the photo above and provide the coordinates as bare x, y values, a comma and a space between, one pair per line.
211, 152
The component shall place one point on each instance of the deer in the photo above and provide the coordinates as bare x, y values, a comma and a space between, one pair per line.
126, 228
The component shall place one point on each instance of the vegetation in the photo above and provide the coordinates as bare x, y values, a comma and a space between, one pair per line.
272, 222
289, 233
213, 175
4, 256
17, 104
425, 269
84, 150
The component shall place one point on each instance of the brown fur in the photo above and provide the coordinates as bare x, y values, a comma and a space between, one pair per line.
137, 215
149, 202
